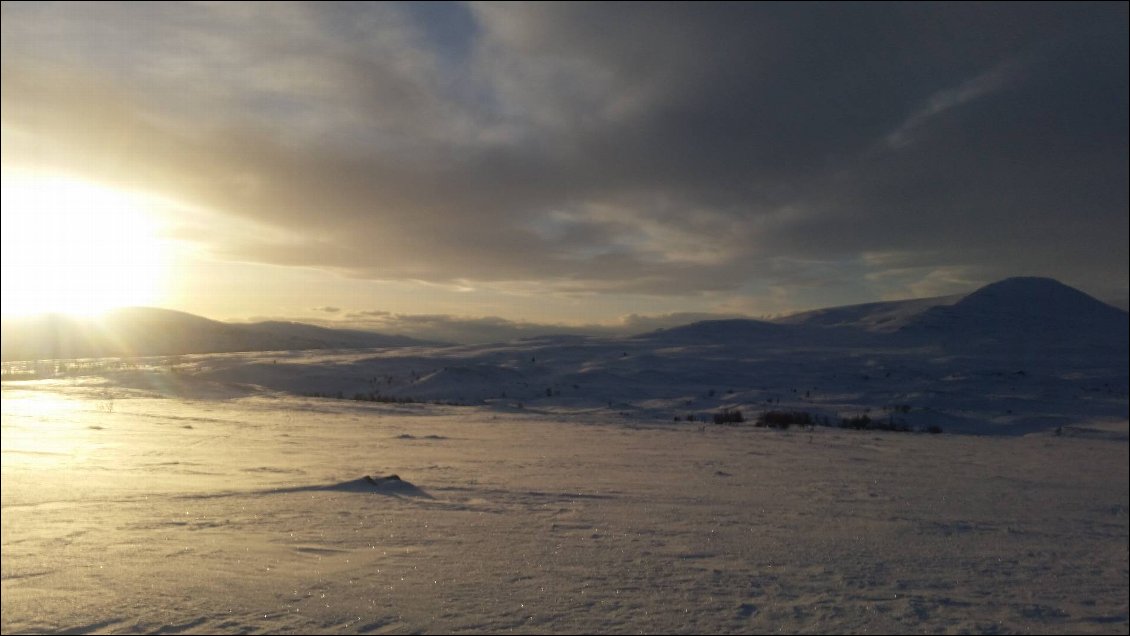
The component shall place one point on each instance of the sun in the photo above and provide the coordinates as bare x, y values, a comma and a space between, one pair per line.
74, 247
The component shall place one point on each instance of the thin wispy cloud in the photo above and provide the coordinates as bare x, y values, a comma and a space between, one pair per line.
950, 98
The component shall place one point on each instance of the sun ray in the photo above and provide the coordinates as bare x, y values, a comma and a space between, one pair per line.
75, 247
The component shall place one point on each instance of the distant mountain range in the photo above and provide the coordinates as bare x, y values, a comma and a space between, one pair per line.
145, 331
1014, 314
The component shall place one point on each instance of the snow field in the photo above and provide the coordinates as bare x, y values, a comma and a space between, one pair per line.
244, 514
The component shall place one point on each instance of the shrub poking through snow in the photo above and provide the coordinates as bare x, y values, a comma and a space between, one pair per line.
858, 422
729, 416
866, 423
784, 419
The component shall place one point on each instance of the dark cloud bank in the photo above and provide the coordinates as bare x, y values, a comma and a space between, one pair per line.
850, 151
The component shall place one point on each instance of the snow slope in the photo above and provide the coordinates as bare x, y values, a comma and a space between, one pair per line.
881, 317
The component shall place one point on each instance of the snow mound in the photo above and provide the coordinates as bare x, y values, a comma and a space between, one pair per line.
388, 485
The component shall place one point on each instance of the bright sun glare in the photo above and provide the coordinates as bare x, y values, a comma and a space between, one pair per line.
75, 247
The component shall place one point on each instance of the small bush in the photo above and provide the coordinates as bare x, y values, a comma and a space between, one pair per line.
363, 397
865, 423
784, 419
858, 422
889, 424
728, 416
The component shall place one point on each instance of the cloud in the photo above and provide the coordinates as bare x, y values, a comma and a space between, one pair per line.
664, 150
950, 98
328, 309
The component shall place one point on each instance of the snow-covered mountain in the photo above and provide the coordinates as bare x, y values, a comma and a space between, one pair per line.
146, 331
1023, 315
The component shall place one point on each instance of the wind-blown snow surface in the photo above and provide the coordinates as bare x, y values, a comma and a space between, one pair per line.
568, 492
135, 513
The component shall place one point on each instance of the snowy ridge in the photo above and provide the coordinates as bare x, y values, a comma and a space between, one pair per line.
1019, 356
146, 331
734, 330
881, 317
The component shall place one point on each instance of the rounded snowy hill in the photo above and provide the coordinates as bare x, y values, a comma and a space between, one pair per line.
1026, 313
1015, 315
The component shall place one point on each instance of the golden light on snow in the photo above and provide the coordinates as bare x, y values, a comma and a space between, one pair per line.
75, 247
46, 430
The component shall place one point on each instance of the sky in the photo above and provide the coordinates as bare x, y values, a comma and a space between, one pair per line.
566, 163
